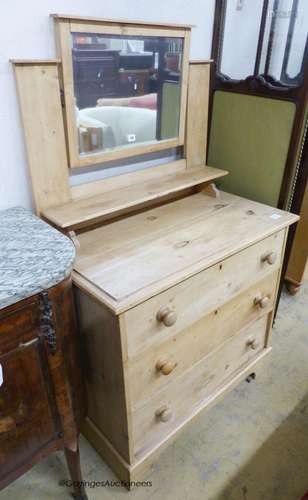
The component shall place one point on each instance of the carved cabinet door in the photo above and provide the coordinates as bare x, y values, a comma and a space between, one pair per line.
28, 416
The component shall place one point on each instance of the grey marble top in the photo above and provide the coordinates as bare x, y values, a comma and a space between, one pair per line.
33, 255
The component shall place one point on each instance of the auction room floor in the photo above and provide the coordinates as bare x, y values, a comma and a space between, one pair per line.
253, 445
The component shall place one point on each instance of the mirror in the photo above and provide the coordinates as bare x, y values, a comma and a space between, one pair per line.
127, 90
264, 38
297, 44
240, 38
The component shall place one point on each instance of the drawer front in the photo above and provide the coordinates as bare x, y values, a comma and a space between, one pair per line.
162, 316
155, 368
169, 408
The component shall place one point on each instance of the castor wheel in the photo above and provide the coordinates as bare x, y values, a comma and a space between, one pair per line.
292, 288
250, 378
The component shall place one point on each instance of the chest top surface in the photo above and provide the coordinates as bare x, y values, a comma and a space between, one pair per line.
132, 259
33, 255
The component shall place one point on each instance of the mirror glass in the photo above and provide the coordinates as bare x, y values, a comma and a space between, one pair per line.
240, 38
127, 90
265, 38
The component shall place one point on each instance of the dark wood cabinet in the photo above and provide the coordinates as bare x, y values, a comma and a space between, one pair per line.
95, 75
41, 394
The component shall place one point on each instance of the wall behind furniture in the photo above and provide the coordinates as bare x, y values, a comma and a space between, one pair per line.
27, 32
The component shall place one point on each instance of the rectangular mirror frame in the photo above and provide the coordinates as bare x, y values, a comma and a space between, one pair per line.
65, 26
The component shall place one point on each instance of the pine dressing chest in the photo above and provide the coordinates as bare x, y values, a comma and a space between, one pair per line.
175, 281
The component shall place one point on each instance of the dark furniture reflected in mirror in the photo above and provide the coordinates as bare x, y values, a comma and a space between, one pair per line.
124, 87
127, 89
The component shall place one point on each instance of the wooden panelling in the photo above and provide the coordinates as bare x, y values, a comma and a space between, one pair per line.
40, 104
128, 30
175, 303
201, 294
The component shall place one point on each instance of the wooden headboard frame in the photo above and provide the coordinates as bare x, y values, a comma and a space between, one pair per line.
39, 88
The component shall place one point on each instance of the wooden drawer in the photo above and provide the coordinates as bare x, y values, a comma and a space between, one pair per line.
197, 296
155, 368
167, 409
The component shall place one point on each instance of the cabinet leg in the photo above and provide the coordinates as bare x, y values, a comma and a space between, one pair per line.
73, 463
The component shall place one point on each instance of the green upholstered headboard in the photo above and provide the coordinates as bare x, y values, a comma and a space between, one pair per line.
250, 138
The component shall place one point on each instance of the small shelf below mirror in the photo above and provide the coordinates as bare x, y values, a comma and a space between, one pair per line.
112, 202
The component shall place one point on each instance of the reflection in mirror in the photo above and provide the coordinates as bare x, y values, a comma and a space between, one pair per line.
127, 90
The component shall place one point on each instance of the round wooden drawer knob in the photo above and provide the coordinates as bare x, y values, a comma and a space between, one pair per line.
252, 344
269, 257
165, 366
261, 301
167, 316
164, 414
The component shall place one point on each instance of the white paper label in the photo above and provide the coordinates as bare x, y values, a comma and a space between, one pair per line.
131, 137
275, 216
1, 376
